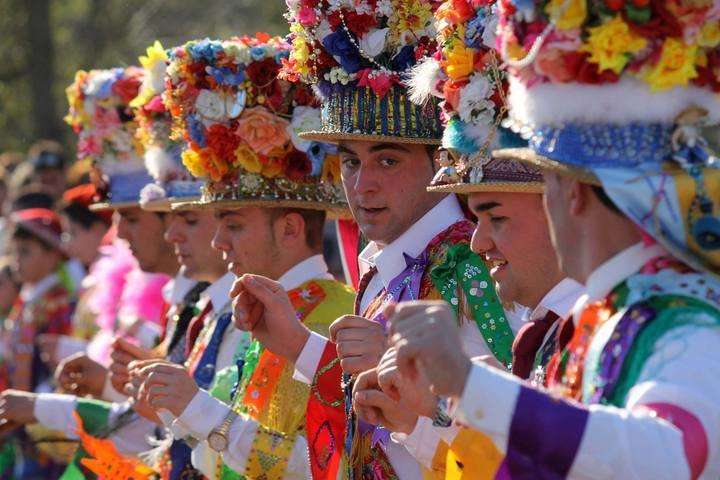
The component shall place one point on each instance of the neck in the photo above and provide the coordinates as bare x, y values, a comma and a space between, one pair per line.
167, 264
600, 246
289, 261
420, 212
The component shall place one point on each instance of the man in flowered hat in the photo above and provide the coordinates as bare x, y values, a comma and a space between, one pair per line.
270, 200
631, 197
506, 198
358, 58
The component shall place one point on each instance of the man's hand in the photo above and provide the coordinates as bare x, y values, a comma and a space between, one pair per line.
427, 341
80, 375
262, 307
414, 394
164, 385
377, 408
121, 354
16, 408
360, 343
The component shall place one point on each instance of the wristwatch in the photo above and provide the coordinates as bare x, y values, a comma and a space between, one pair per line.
218, 438
440, 416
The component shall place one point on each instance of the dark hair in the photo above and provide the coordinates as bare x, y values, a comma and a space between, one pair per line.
314, 223
83, 216
33, 200
605, 200
47, 154
22, 233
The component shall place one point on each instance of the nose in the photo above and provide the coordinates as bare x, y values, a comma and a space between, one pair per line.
173, 233
221, 239
481, 241
123, 228
365, 180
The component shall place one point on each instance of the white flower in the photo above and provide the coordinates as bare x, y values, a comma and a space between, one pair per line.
474, 98
122, 141
173, 72
323, 30
293, 5
373, 42
305, 119
489, 34
218, 107
155, 78
384, 8
240, 53
97, 81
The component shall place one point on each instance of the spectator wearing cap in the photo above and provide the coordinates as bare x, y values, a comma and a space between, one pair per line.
49, 164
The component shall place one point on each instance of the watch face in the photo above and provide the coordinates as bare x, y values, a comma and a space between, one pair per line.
217, 441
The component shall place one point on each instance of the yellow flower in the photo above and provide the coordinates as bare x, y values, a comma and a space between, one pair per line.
676, 65
612, 43
331, 169
567, 14
193, 162
710, 34
459, 61
300, 53
154, 63
247, 159
273, 168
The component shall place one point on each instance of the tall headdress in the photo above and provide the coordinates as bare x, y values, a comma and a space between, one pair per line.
625, 95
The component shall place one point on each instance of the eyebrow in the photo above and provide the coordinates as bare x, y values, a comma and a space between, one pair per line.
375, 148
484, 207
221, 214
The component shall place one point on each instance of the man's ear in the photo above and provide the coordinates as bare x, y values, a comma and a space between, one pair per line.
579, 196
290, 229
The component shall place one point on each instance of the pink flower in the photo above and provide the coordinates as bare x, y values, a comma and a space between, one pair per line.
306, 16
380, 83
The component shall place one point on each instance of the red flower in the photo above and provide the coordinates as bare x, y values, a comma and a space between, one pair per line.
359, 23
126, 88
223, 142
589, 73
304, 96
463, 10
155, 105
298, 166
263, 72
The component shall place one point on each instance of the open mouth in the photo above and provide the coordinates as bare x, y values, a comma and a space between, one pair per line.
496, 265
372, 211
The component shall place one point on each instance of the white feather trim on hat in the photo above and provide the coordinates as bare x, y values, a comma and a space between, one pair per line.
161, 165
422, 80
621, 103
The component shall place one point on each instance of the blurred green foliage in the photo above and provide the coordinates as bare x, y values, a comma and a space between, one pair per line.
44, 42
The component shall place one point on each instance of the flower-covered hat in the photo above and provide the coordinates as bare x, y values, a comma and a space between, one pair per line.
101, 116
625, 95
173, 183
466, 75
358, 53
241, 126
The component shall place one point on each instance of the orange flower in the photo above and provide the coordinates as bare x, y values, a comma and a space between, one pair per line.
262, 131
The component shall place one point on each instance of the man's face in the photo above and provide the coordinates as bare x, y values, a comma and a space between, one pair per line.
80, 242
512, 234
52, 181
385, 184
144, 233
191, 233
246, 240
32, 260
557, 210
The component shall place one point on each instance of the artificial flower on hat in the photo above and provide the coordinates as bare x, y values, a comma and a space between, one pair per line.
240, 124
172, 181
358, 54
101, 116
626, 95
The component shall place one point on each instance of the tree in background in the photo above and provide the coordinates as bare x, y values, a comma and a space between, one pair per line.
44, 42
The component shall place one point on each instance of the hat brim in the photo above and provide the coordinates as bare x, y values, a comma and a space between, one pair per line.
165, 205
529, 156
334, 212
493, 187
336, 137
110, 206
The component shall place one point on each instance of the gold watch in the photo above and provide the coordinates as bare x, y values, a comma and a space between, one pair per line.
218, 438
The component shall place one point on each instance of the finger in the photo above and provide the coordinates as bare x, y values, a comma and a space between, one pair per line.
356, 349
122, 357
406, 312
373, 330
366, 380
157, 378
406, 362
355, 365
265, 290
347, 321
130, 349
237, 287
376, 402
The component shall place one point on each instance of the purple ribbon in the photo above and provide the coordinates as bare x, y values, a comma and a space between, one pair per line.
545, 435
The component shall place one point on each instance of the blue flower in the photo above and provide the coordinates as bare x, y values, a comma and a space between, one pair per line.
316, 153
257, 53
454, 137
205, 50
104, 89
338, 45
404, 59
196, 131
225, 76
475, 30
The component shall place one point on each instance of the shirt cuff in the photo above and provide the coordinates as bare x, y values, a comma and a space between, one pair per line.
307, 362
423, 441
488, 400
67, 346
55, 411
202, 415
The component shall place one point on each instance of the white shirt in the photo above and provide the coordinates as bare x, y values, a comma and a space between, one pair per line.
683, 371
205, 413
55, 411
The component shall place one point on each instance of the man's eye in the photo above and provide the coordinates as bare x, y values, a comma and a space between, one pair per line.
349, 162
497, 220
388, 162
234, 227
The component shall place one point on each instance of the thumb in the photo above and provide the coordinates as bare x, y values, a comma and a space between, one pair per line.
130, 348
265, 290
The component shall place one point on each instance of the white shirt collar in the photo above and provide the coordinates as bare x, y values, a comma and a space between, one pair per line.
175, 290
30, 293
559, 300
390, 260
618, 268
219, 291
308, 269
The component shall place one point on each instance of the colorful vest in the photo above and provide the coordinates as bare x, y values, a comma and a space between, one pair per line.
266, 391
613, 339
446, 270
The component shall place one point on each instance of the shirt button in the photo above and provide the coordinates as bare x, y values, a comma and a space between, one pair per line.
479, 414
